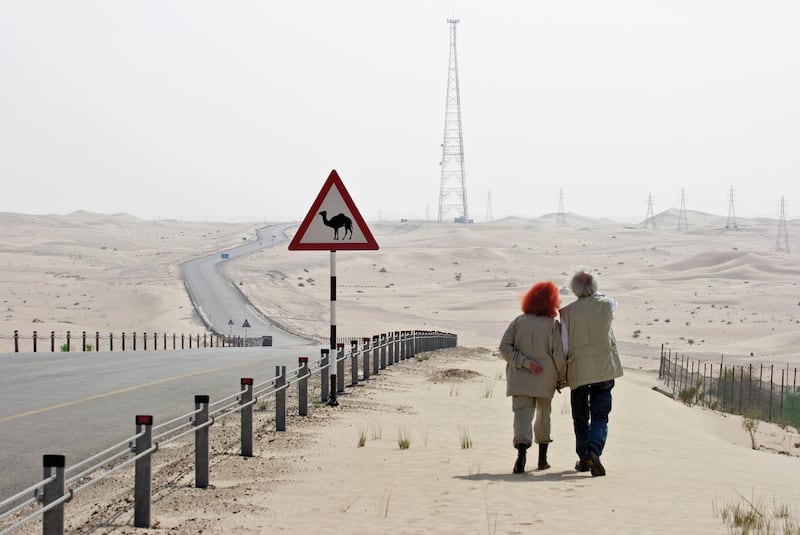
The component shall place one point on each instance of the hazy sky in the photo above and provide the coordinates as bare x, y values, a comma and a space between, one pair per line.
238, 110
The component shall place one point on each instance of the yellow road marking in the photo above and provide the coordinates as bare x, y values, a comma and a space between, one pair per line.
111, 393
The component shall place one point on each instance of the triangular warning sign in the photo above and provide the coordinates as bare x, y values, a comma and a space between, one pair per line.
246, 324
333, 223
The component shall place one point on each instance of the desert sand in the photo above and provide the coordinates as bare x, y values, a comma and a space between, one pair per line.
671, 468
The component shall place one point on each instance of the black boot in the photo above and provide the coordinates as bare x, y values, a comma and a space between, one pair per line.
543, 465
519, 466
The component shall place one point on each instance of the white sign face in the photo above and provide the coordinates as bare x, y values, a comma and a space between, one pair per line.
333, 223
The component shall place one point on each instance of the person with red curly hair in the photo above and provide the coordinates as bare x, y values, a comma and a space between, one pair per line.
531, 346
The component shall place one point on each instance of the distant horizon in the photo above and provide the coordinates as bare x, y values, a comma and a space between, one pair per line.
245, 219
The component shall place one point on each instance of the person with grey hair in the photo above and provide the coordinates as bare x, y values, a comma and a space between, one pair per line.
592, 365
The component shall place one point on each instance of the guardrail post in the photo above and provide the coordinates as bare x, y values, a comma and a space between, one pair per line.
412, 339
375, 361
123, 340
144, 341
16, 341
280, 398
383, 351
52, 341
134, 340
97, 340
339, 367
302, 387
69, 336
324, 361
353, 362
247, 416
201, 442
397, 357
365, 352
53, 520
83, 341
143, 472
155, 341
34, 341
390, 347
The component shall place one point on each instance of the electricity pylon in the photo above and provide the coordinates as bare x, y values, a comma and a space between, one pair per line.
782, 243
683, 221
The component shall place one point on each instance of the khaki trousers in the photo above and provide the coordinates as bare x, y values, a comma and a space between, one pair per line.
525, 408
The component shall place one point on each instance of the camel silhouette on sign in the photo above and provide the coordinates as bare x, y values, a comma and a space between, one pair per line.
337, 222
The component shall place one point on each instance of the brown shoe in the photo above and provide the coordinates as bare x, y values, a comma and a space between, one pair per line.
595, 466
580, 466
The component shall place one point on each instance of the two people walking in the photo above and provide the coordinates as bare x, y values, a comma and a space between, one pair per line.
542, 353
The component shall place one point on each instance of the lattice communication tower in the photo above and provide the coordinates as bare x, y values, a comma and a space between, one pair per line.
489, 214
683, 221
453, 188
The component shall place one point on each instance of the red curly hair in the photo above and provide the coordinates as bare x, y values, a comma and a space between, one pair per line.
542, 300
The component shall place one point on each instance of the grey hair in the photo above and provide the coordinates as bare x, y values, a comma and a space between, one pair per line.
583, 284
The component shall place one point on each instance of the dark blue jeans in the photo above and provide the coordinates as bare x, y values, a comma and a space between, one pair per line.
591, 405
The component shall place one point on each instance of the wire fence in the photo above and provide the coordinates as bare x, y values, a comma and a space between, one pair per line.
756, 390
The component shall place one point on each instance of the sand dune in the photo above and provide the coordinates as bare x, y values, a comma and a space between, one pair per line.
704, 293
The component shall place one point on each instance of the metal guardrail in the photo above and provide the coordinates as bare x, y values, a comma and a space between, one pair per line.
61, 484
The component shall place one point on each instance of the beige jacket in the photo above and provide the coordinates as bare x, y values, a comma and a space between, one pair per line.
532, 338
592, 355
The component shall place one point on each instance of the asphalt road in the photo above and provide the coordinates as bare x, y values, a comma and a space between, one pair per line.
78, 404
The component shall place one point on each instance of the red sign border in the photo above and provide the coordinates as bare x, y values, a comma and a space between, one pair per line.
333, 180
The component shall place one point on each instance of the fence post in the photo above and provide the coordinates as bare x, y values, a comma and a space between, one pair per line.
143, 472
174, 340
375, 361
340, 367
53, 520
144, 341
365, 353
324, 364
134, 340
247, 416
280, 398
97, 340
201, 442
397, 356
16, 341
155, 341
771, 385
390, 346
111, 341
123, 340
69, 337
353, 362
302, 387
34, 341
383, 351
83, 341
